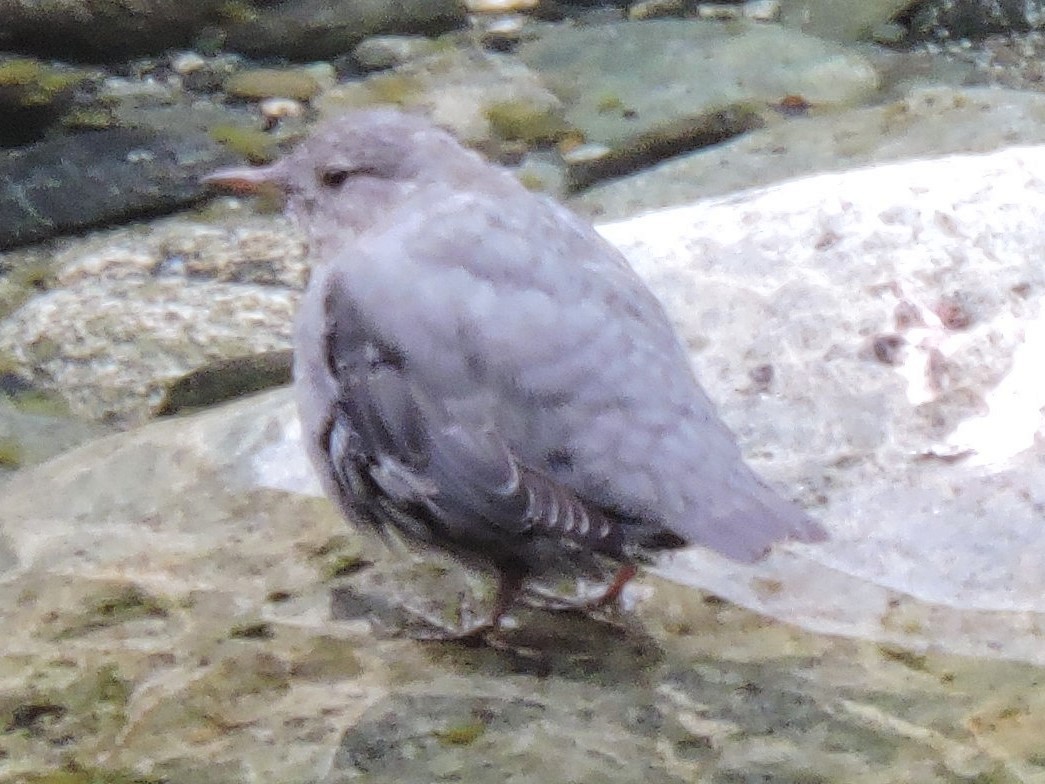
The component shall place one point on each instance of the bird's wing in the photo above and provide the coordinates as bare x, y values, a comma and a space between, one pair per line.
525, 326
398, 457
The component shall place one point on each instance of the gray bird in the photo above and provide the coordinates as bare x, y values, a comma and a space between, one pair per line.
478, 370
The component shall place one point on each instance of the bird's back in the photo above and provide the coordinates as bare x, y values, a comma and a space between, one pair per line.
527, 325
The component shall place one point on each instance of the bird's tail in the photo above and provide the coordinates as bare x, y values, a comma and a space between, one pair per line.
743, 518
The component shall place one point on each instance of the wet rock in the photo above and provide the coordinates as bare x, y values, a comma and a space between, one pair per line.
975, 19
710, 81
189, 626
379, 52
226, 379
926, 121
97, 178
314, 29
256, 84
29, 434
102, 32
33, 96
466, 92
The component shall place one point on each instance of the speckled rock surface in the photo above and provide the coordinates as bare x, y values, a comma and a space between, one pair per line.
135, 309
875, 337
180, 611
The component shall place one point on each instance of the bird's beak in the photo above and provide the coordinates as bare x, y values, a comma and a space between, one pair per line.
249, 180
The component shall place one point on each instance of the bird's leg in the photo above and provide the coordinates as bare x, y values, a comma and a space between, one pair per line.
508, 587
612, 592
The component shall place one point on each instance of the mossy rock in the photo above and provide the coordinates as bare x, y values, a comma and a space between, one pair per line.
260, 83
12, 455
394, 89
111, 606
253, 144
34, 83
33, 96
226, 379
521, 121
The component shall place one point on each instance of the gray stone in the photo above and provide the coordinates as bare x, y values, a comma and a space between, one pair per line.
457, 89
659, 87
97, 178
379, 52
840, 20
314, 29
927, 121
105, 32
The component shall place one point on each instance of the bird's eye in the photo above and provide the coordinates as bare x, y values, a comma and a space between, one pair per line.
333, 178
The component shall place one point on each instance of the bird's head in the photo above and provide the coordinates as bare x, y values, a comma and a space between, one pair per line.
353, 169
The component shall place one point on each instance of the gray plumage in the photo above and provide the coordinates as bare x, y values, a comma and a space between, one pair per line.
479, 369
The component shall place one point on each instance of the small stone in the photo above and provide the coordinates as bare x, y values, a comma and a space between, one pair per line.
585, 153
380, 52
499, 6
718, 11
187, 63
503, 33
762, 10
260, 83
275, 109
651, 9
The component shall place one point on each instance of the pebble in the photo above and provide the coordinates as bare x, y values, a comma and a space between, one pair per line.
275, 109
187, 63
380, 52
499, 6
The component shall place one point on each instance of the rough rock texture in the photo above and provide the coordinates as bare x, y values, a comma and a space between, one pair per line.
170, 618
135, 309
885, 331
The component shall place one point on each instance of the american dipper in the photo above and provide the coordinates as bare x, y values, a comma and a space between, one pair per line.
478, 370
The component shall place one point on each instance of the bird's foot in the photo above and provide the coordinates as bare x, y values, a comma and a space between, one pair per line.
470, 626
545, 599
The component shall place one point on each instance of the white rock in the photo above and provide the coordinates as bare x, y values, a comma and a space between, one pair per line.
499, 6
801, 276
